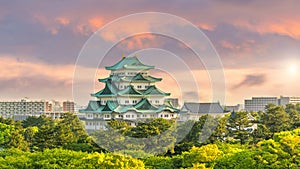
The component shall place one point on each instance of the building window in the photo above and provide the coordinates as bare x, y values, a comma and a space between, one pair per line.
161, 115
166, 115
132, 116
106, 116
134, 101
126, 101
138, 116
139, 86
127, 116
144, 115
156, 101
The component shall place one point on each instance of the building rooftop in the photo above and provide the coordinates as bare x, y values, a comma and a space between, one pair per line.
202, 108
129, 63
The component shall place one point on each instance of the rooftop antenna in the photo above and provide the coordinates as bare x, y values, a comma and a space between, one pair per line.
123, 55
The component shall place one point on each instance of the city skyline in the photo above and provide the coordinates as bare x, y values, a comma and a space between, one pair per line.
258, 43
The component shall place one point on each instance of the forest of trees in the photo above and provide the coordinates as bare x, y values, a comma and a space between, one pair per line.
41, 142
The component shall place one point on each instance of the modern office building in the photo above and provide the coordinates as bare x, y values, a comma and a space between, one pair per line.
259, 103
130, 94
289, 100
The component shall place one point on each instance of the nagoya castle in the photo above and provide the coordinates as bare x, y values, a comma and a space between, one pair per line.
129, 95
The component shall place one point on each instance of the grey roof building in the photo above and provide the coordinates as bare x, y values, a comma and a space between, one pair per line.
193, 111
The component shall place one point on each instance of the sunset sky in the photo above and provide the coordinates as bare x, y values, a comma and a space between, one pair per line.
258, 43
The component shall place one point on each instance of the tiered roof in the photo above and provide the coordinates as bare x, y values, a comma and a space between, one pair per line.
143, 106
129, 91
111, 90
137, 78
154, 91
129, 63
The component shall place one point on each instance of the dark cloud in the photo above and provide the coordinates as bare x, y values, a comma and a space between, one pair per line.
251, 80
24, 36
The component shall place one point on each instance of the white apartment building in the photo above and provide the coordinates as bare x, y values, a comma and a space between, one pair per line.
20, 110
259, 103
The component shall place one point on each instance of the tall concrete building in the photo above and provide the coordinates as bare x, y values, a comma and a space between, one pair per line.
20, 110
68, 106
259, 103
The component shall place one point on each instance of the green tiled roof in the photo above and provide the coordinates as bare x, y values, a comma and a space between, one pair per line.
129, 91
113, 78
123, 108
109, 90
129, 63
137, 78
144, 104
141, 78
109, 106
154, 91
94, 106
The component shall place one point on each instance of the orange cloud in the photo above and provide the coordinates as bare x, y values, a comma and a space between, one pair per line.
62, 20
121, 28
229, 45
52, 25
285, 26
139, 41
96, 23
206, 26
13, 68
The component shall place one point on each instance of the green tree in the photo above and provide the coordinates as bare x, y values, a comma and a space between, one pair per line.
12, 137
237, 125
294, 115
275, 119
202, 155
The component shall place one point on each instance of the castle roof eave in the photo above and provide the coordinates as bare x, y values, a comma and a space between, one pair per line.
129, 63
